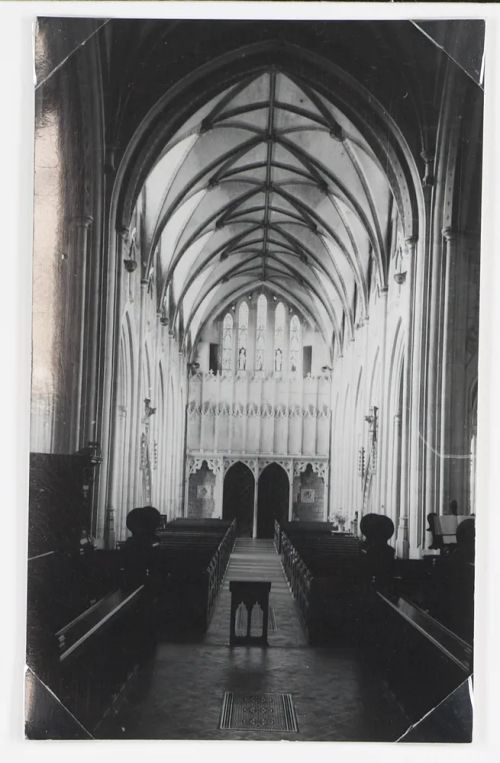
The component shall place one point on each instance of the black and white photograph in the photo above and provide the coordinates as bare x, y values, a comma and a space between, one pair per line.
254, 393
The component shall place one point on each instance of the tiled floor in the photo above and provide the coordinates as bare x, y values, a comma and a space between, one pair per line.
178, 695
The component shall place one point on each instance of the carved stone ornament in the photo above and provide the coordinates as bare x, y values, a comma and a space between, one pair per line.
144, 452
252, 464
319, 467
195, 463
193, 408
310, 412
285, 463
266, 410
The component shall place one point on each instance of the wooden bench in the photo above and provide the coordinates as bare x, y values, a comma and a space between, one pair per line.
422, 660
190, 564
325, 574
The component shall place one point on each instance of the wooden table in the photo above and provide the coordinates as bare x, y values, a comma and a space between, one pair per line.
249, 593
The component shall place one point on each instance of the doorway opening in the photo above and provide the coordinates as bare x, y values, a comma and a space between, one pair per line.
272, 499
237, 502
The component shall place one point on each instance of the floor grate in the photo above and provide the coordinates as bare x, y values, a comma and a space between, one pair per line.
258, 712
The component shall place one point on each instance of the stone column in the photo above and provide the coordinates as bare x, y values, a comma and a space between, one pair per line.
139, 406
411, 386
108, 489
187, 475
325, 496
81, 307
219, 487
433, 372
217, 417
109, 535
396, 467
382, 435
255, 501
454, 448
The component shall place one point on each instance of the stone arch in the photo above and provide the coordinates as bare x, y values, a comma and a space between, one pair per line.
205, 81
162, 440
394, 420
192, 90
357, 440
238, 497
273, 498
124, 463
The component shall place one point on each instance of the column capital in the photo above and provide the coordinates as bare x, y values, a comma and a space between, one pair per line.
122, 231
428, 157
85, 221
449, 234
411, 241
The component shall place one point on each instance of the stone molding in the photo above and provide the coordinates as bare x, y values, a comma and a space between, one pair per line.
239, 376
252, 463
285, 463
195, 463
319, 467
264, 410
291, 465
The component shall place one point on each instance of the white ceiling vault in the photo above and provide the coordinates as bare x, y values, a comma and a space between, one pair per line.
268, 185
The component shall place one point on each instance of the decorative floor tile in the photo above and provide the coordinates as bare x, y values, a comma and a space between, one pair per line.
258, 712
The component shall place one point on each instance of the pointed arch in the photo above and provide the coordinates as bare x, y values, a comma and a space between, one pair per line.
279, 337
243, 314
295, 342
261, 333
227, 343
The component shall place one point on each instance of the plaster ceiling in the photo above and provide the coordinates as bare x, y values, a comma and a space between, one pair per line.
268, 185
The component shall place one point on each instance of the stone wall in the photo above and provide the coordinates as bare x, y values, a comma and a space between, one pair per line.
309, 497
201, 493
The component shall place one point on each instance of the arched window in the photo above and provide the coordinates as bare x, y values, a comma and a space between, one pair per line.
294, 345
242, 336
227, 343
260, 333
279, 336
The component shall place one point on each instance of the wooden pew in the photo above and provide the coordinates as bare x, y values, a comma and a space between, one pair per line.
61, 585
74, 637
84, 646
326, 576
99, 651
191, 562
422, 660
94, 654
206, 525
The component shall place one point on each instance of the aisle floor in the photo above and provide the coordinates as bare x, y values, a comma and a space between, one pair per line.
179, 693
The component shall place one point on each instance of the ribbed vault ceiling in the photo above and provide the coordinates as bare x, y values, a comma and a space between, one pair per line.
268, 185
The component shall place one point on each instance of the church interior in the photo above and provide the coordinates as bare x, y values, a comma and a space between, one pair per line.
254, 380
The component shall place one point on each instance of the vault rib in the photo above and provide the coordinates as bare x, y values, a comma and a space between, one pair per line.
270, 145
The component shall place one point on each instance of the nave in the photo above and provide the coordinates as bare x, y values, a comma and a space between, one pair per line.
178, 694
255, 317
347, 657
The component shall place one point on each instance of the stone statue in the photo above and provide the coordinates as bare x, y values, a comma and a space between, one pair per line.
242, 359
278, 360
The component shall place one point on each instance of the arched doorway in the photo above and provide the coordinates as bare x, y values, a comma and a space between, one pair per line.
272, 499
238, 496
